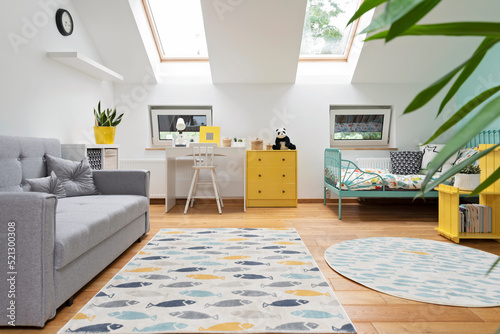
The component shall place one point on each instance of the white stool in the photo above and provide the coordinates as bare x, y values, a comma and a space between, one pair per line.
203, 157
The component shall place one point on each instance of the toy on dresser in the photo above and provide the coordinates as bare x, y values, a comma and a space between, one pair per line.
282, 141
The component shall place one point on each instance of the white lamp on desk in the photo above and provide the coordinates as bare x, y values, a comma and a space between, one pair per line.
180, 126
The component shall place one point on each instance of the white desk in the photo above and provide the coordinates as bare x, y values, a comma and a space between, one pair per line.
171, 153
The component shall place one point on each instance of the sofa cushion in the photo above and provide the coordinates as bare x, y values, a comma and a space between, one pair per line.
84, 222
50, 185
76, 177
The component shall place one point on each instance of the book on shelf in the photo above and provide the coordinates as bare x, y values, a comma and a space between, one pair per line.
475, 218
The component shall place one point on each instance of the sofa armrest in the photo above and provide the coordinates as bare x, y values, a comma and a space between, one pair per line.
27, 234
122, 182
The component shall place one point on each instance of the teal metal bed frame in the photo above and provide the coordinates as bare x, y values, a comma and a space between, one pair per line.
333, 159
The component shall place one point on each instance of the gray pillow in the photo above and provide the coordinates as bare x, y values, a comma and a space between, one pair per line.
50, 185
76, 177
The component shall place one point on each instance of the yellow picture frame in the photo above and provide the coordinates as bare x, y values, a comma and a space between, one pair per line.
210, 134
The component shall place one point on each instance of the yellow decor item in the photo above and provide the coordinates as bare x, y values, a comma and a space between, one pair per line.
271, 178
104, 134
449, 216
210, 134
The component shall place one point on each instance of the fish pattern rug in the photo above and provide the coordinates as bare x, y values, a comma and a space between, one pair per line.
422, 270
216, 280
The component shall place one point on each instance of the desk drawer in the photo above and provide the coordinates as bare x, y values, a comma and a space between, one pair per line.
276, 159
271, 191
277, 175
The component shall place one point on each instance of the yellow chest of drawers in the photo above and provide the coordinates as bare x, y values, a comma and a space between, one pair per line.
271, 179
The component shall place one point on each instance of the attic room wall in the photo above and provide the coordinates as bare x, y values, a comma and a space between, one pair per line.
255, 110
41, 97
486, 76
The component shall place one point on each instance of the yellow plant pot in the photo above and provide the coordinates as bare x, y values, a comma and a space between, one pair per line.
104, 134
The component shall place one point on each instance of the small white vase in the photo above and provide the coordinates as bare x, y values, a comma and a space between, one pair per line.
467, 181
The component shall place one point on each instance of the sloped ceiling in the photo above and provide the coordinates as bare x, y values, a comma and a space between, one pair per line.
255, 41
416, 59
114, 31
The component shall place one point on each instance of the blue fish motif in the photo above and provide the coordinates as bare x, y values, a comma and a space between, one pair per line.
152, 258
313, 314
163, 327
168, 239
198, 247
252, 263
116, 303
252, 276
215, 253
172, 303
300, 276
275, 257
172, 252
249, 235
194, 258
163, 247
97, 328
200, 293
230, 303
121, 277
253, 293
289, 252
130, 315
103, 294
282, 284
286, 303
209, 263
193, 315
181, 285
214, 243
347, 328
232, 270
272, 247
130, 285
157, 277
187, 269
235, 247
205, 232
294, 326
312, 269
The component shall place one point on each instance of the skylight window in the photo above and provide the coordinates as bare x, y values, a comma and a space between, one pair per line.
178, 28
325, 33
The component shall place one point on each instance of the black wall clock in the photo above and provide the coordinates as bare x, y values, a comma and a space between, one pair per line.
64, 22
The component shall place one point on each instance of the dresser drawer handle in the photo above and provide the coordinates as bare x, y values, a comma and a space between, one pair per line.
260, 191
283, 159
283, 191
260, 159
283, 175
260, 175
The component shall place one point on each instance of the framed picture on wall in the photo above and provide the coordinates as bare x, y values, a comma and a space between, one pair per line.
210, 134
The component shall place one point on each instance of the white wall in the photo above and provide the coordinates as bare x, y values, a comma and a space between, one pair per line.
255, 110
41, 97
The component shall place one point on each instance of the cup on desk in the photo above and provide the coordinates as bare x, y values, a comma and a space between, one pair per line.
226, 142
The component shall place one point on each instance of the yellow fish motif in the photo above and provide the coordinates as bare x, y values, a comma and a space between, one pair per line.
421, 253
307, 293
227, 326
236, 239
143, 270
294, 263
82, 316
204, 276
234, 257
285, 243
144, 253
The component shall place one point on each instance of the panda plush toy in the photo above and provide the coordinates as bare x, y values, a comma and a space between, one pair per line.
282, 141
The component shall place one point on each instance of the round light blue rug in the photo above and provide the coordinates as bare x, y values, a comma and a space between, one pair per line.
421, 270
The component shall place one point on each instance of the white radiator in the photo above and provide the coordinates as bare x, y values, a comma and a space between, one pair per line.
382, 163
157, 178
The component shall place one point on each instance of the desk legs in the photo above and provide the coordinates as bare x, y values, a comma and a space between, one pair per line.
170, 188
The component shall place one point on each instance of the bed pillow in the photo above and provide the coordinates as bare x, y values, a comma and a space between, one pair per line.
467, 153
50, 185
406, 162
76, 177
429, 152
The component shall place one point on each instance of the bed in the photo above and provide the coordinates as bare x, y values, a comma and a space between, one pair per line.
345, 179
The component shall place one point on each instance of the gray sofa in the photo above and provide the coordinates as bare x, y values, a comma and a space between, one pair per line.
50, 248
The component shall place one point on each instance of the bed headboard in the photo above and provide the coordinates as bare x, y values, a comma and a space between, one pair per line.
485, 137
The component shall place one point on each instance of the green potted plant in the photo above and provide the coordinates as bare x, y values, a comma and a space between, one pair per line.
468, 178
105, 125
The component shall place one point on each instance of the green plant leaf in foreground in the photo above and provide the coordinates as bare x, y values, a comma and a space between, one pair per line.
427, 94
452, 171
486, 29
394, 10
483, 118
410, 18
464, 111
366, 6
488, 182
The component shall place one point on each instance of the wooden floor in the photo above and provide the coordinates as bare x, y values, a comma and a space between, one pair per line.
370, 311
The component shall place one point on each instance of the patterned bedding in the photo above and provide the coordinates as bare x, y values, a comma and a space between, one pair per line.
369, 179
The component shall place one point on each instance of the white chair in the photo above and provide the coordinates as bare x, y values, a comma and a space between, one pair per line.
203, 158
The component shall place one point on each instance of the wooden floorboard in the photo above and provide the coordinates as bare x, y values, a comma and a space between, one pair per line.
317, 224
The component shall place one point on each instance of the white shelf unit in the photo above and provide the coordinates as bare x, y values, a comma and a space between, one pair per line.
100, 156
85, 65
